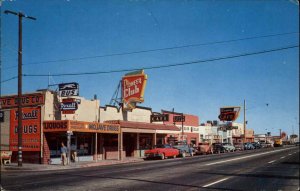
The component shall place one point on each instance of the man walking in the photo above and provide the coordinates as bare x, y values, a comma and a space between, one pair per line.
63, 151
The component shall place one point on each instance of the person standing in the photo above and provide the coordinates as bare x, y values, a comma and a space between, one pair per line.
63, 152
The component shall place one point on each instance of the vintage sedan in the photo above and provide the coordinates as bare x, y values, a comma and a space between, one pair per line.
228, 147
162, 152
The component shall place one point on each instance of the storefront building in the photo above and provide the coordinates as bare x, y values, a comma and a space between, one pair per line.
32, 115
189, 128
140, 136
90, 140
46, 126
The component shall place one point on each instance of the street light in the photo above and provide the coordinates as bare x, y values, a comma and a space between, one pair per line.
20, 129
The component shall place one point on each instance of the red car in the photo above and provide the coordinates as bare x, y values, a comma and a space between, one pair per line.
162, 152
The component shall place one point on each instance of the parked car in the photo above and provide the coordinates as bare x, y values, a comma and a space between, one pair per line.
184, 149
162, 152
248, 146
218, 148
228, 147
239, 146
204, 148
256, 145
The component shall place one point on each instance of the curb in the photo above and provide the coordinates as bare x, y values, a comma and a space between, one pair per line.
59, 167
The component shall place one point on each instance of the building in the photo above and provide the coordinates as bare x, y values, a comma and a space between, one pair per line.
94, 132
238, 135
188, 125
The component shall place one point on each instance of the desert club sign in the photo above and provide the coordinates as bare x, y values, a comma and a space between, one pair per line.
133, 87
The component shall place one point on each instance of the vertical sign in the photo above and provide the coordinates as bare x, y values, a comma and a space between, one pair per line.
133, 87
31, 130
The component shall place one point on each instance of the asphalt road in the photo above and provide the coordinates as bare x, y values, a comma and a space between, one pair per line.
263, 170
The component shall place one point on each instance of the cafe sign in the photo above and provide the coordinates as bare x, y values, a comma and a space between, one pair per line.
133, 87
229, 113
159, 117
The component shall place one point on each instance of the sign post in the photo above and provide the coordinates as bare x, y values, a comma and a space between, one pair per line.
69, 133
1, 116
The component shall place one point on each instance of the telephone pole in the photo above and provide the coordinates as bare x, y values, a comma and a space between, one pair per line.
245, 121
20, 129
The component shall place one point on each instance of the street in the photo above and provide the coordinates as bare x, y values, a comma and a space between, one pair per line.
262, 169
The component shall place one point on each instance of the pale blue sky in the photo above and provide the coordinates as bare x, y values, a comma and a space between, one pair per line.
77, 29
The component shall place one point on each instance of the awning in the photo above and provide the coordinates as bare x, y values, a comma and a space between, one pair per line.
80, 126
130, 126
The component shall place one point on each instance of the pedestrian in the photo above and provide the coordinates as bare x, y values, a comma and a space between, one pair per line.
191, 150
73, 152
63, 152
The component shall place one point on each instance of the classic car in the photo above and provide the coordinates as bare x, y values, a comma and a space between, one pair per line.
248, 146
239, 146
218, 148
162, 152
184, 149
256, 145
204, 148
228, 147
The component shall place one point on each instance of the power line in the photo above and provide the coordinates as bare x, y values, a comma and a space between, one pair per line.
155, 50
167, 66
15, 77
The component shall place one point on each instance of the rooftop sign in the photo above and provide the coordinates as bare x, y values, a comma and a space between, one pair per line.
229, 113
133, 87
68, 89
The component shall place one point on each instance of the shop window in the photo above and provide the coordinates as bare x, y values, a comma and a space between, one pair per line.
54, 142
145, 142
84, 144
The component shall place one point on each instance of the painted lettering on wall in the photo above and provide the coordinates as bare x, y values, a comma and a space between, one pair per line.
31, 129
26, 100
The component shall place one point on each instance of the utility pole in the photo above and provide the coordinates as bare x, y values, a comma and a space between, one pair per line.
182, 126
245, 121
20, 129
280, 133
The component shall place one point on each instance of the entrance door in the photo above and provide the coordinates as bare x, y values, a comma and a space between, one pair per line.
129, 143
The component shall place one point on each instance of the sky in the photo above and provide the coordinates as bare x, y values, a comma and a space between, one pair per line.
75, 36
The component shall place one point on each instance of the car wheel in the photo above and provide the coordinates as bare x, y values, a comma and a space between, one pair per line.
162, 156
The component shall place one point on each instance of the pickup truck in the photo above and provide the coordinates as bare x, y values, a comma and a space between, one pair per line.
204, 148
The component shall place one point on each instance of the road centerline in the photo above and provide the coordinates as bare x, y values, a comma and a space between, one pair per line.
218, 181
239, 158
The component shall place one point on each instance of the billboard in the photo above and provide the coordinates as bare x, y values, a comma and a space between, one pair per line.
68, 89
133, 87
31, 129
229, 113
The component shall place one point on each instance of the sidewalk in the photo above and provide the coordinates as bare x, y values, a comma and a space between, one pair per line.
46, 167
